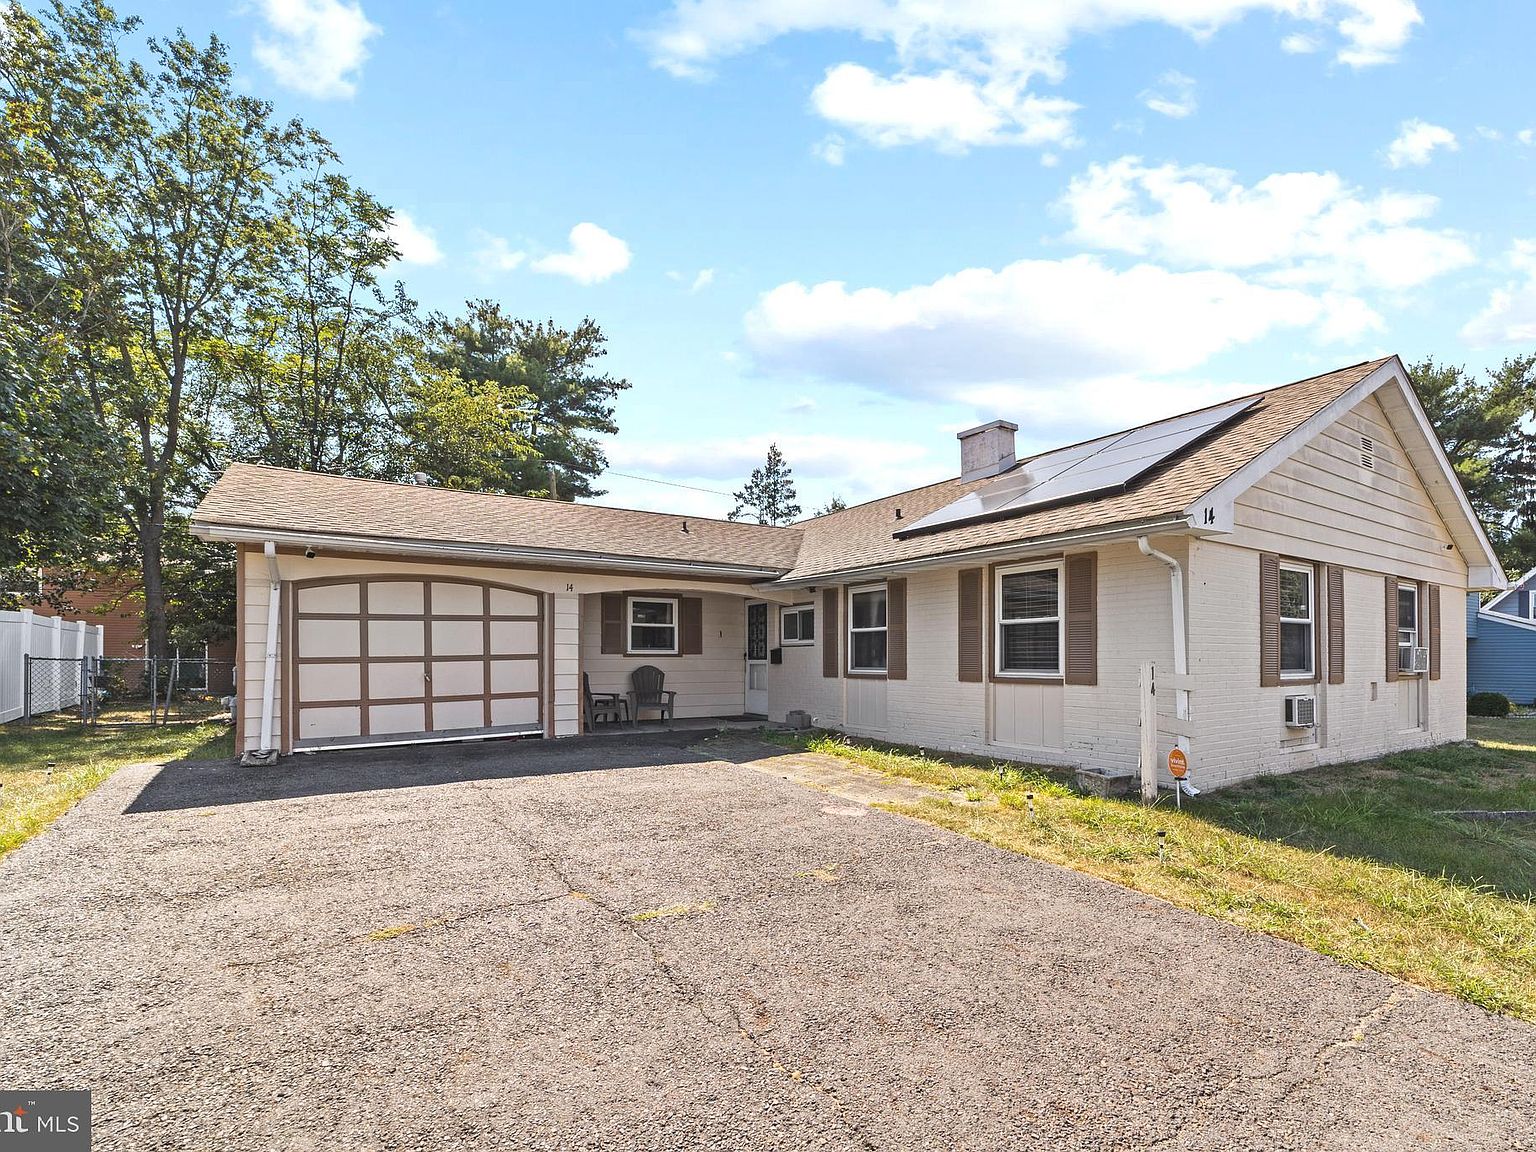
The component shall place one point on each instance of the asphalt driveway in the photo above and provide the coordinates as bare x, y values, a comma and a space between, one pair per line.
630, 945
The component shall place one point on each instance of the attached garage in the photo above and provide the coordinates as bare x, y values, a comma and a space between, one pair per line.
378, 659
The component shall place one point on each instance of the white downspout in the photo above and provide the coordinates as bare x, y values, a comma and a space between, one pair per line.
266, 754
1180, 644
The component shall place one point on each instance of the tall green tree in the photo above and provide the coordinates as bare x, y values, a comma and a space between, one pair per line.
162, 176
57, 491
565, 400
1483, 424
769, 496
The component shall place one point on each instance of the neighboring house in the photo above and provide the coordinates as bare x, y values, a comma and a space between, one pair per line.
1310, 537
1501, 642
116, 603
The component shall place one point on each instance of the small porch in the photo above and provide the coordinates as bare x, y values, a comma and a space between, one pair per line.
709, 648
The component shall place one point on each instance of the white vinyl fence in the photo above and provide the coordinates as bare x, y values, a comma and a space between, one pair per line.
51, 638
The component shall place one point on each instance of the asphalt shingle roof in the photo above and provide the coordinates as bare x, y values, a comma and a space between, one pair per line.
277, 499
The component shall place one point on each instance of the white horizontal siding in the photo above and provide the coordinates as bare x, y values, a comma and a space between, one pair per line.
710, 684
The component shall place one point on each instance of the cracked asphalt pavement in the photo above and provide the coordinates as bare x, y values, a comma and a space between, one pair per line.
626, 944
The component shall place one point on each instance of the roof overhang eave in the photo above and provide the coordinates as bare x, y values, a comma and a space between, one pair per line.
489, 553
1107, 534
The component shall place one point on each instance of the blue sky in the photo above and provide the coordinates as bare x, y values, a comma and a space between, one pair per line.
858, 227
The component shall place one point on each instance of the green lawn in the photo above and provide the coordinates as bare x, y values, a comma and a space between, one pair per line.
1354, 861
31, 800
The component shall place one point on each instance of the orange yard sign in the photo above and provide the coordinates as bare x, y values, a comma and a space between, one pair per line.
1178, 763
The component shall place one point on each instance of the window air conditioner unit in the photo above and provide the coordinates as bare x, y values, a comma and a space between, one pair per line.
1301, 711
1412, 659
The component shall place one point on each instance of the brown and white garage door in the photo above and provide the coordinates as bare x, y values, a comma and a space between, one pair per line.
383, 658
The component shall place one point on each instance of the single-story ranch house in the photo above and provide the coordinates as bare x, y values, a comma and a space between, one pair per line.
1294, 562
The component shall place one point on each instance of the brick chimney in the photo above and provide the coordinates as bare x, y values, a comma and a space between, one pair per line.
986, 450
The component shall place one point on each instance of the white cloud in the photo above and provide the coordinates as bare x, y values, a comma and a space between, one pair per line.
1526, 136
1510, 314
595, 255
417, 245
949, 110
1416, 142
1291, 229
1488, 133
803, 406
496, 254
1300, 44
831, 149
705, 277
1172, 95
316, 47
962, 71
1033, 331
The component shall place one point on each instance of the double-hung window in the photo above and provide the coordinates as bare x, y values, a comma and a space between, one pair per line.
1407, 625
797, 625
1029, 620
866, 629
652, 626
1298, 621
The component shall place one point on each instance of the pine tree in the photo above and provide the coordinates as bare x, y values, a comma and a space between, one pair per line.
770, 494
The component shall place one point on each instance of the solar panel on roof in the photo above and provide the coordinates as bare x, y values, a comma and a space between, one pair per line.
1108, 464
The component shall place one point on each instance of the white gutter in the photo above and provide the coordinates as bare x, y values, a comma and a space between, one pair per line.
1164, 524
393, 546
269, 672
1180, 646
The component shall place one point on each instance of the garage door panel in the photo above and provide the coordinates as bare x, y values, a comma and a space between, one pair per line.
457, 599
397, 681
458, 637
458, 678
329, 638
514, 675
329, 682
506, 602
450, 714
396, 638
330, 598
396, 598
329, 723
396, 658
513, 637
515, 712
392, 719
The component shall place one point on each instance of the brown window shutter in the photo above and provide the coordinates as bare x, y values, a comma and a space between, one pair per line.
1432, 600
1082, 605
896, 629
1269, 620
830, 636
1391, 585
613, 623
970, 626
1335, 624
690, 626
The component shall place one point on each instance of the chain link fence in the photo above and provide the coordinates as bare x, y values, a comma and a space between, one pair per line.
124, 691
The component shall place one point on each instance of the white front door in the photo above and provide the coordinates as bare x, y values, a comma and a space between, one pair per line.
757, 659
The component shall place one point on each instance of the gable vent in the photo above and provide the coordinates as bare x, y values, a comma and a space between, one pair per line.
1367, 453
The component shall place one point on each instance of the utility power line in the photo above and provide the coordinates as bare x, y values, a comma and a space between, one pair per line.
669, 483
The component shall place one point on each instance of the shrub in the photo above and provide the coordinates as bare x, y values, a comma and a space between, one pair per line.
1488, 704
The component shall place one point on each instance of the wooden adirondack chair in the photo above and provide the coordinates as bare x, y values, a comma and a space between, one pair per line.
602, 705
647, 692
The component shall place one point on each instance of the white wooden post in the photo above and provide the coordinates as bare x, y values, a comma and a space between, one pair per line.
1147, 683
58, 637
21, 666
